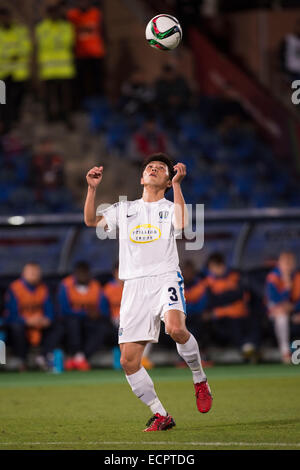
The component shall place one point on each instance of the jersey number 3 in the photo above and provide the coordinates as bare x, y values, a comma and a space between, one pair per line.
173, 297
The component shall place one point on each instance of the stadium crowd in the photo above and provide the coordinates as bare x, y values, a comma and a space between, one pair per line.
32, 178
82, 316
229, 163
65, 50
59, 63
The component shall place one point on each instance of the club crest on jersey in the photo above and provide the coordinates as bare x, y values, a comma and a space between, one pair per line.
163, 214
120, 331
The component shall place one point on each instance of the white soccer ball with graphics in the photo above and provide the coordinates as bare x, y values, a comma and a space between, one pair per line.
164, 32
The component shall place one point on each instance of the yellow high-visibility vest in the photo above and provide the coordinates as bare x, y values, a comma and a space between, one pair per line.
55, 43
21, 64
8, 47
15, 50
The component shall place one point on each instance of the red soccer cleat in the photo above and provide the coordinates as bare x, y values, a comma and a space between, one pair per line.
69, 364
82, 364
160, 423
203, 396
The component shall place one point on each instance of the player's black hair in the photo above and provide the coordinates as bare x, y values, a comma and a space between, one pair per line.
217, 258
286, 251
32, 262
160, 157
82, 266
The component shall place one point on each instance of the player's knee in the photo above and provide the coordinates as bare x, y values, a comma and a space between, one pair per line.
177, 333
129, 365
124, 362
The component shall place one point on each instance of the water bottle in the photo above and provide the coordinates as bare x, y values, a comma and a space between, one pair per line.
58, 361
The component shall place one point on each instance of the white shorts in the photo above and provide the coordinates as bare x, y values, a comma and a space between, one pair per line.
144, 303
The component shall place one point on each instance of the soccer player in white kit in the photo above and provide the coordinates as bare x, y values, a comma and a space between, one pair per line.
153, 287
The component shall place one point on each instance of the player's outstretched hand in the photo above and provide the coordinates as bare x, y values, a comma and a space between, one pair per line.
180, 169
94, 176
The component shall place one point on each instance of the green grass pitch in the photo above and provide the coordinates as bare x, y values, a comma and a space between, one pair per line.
255, 407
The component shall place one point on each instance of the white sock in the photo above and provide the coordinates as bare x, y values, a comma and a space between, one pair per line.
143, 387
282, 333
189, 351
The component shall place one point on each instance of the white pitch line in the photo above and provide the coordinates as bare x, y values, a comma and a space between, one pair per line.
169, 443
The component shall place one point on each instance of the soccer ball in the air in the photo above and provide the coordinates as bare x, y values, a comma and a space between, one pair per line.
164, 32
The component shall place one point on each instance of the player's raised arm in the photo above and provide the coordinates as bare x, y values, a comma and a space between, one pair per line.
180, 209
93, 177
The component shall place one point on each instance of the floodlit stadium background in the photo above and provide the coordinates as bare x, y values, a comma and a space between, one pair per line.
229, 118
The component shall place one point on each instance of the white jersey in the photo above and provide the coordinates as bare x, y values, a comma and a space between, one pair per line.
147, 238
